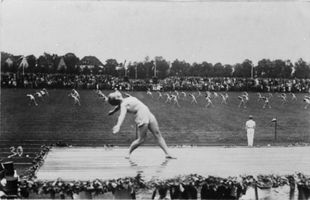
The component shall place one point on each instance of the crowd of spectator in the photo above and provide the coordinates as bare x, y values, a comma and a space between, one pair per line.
106, 82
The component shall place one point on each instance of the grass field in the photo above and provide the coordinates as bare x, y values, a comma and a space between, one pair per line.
56, 119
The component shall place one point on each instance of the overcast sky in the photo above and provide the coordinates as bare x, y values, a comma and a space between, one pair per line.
226, 32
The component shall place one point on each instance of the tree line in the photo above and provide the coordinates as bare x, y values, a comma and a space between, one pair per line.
157, 67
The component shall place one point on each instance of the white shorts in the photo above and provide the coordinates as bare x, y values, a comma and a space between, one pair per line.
144, 117
250, 130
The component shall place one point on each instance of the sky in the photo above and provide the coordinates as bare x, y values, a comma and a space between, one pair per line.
195, 31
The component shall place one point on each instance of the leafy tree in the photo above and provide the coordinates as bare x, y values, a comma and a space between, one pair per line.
281, 69
132, 70
238, 70
263, 68
208, 69
141, 70
51, 62
42, 66
302, 69
149, 67
110, 67
243, 69
196, 69
32, 61
6, 67
218, 70
179, 68
228, 70
247, 67
71, 61
162, 67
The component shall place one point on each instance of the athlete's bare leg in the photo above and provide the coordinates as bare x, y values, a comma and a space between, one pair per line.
154, 128
142, 130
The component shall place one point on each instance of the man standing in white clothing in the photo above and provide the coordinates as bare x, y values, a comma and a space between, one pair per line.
250, 129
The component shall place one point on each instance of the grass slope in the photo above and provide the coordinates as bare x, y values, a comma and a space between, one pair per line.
57, 119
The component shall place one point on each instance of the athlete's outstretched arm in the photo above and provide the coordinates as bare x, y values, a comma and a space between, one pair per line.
121, 118
116, 108
127, 94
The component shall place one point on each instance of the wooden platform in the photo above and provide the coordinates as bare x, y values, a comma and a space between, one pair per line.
86, 163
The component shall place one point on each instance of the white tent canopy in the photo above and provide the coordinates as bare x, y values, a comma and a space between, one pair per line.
61, 64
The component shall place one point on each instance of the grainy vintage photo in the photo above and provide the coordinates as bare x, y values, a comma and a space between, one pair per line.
163, 99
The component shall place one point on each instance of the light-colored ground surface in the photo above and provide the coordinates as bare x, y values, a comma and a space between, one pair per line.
86, 163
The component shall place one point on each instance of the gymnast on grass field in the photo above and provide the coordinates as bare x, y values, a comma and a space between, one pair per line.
145, 120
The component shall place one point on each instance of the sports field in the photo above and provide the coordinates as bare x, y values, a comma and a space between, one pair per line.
56, 119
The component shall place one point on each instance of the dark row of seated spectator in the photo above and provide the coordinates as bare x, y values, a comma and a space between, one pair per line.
106, 82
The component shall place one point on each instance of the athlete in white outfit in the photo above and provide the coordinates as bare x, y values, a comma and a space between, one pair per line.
184, 95
226, 95
243, 100
215, 95
42, 93
250, 129
45, 91
307, 101
245, 93
283, 98
175, 100
169, 98
294, 98
199, 94
246, 99
193, 99
260, 96
160, 96
266, 102
32, 100
75, 93
145, 120
39, 95
102, 95
177, 93
224, 98
76, 100
148, 92
208, 102
208, 94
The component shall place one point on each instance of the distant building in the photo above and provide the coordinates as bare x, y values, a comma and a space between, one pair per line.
90, 62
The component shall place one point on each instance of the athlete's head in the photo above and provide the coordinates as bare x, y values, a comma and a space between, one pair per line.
115, 98
250, 117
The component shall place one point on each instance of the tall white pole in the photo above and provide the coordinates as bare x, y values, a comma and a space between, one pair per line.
136, 72
155, 69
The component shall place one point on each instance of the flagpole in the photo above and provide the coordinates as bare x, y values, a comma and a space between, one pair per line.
136, 72
125, 68
155, 69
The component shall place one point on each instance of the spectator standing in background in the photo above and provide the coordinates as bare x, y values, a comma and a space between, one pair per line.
250, 129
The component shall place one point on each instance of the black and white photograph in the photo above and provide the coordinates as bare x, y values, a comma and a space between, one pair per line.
163, 100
